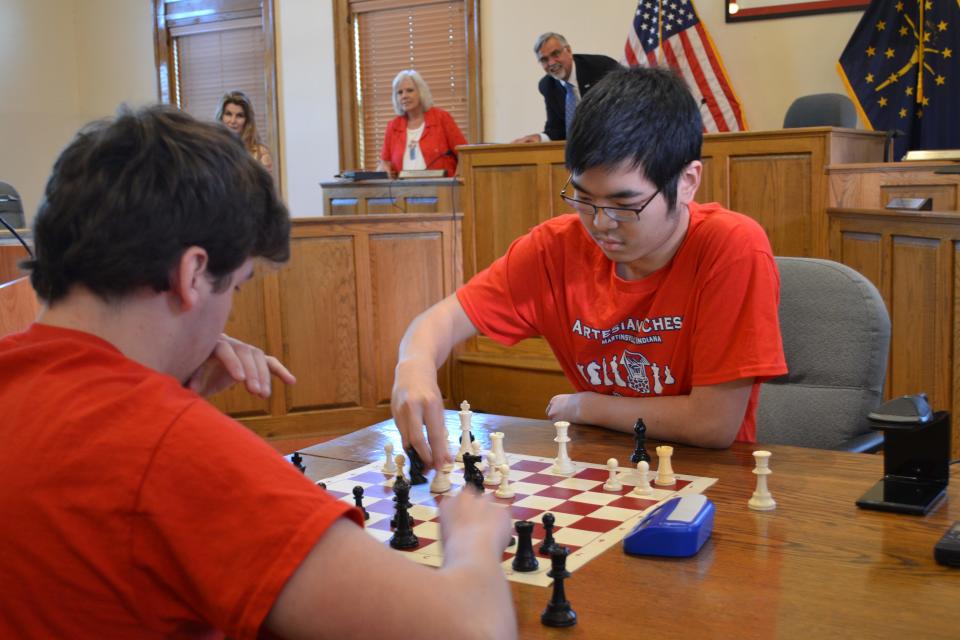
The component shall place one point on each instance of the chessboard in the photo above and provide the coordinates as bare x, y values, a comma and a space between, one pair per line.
588, 520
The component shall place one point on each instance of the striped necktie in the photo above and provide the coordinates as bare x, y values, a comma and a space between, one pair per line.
569, 106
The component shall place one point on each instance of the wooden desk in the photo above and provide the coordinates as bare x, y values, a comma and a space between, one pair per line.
816, 567
427, 195
873, 185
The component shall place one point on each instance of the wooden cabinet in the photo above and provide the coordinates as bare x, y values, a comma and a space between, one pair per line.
776, 177
428, 195
873, 185
913, 258
335, 315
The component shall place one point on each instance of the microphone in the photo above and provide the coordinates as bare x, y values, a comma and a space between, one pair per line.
888, 142
448, 152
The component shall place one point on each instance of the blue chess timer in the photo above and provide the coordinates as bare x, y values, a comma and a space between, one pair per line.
677, 528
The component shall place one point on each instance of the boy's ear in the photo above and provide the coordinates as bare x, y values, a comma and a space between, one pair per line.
689, 182
188, 276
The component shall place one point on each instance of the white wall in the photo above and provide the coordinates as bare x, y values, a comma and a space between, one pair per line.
770, 62
65, 62
69, 61
307, 100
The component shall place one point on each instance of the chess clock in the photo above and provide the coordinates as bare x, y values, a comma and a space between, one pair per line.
677, 528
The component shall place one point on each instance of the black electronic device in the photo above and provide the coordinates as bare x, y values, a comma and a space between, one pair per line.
947, 549
358, 175
916, 456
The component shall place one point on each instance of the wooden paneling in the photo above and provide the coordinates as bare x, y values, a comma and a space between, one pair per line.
335, 315
774, 191
407, 273
433, 195
912, 259
873, 185
18, 306
319, 310
776, 177
10, 255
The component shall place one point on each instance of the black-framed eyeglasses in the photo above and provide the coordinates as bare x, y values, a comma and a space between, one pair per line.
619, 214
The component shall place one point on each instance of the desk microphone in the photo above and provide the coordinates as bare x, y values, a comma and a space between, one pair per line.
4, 199
891, 134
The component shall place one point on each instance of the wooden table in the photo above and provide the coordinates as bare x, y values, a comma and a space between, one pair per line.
816, 567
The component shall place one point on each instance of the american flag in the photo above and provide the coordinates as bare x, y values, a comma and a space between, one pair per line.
670, 31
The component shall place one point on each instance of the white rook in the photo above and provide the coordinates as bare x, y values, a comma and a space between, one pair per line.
665, 475
496, 446
761, 500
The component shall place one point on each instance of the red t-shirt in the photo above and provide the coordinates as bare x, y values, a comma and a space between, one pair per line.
133, 508
441, 136
709, 316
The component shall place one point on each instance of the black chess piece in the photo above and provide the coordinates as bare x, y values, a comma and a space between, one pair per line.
558, 612
478, 481
470, 470
405, 489
548, 542
416, 466
358, 500
403, 536
322, 484
640, 436
525, 560
297, 460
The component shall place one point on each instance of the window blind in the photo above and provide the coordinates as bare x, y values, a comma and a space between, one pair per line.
429, 37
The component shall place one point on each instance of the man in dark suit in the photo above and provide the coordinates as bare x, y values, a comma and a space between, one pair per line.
569, 77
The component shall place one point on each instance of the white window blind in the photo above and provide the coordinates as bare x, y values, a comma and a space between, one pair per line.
429, 37
210, 63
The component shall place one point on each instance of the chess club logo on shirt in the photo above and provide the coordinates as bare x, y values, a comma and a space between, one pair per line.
630, 369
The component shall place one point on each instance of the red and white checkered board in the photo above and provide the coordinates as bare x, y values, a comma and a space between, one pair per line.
588, 521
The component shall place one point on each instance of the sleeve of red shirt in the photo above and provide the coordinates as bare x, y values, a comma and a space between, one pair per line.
738, 330
223, 521
454, 136
387, 149
501, 300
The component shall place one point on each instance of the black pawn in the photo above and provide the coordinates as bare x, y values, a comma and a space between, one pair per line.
403, 536
416, 466
558, 612
322, 484
640, 436
297, 461
548, 543
358, 500
525, 560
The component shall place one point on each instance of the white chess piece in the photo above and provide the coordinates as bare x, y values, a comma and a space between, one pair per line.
504, 490
466, 416
389, 466
613, 482
492, 478
761, 500
562, 463
496, 445
665, 475
643, 485
441, 481
400, 461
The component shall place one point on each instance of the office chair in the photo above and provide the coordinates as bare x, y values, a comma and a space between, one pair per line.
821, 110
836, 336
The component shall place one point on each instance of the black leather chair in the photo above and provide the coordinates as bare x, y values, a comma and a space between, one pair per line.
821, 110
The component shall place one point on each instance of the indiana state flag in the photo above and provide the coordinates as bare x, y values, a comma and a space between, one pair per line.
902, 69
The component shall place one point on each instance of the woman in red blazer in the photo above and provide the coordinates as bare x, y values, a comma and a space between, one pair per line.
422, 136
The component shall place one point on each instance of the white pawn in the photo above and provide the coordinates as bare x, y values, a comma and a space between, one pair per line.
613, 482
665, 475
400, 461
441, 481
643, 486
761, 500
389, 466
504, 490
492, 478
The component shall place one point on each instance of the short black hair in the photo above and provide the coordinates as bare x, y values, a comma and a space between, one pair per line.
129, 194
646, 117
